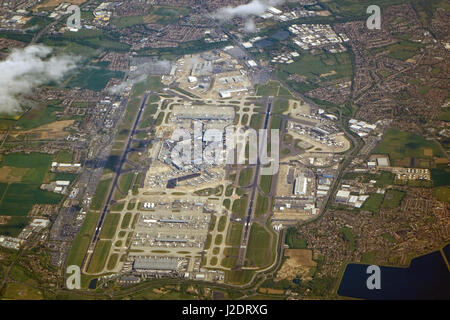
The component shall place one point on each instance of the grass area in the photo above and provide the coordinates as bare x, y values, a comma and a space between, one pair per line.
382, 178
442, 193
355, 8
245, 176
440, 176
218, 240
99, 256
110, 226
238, 276
393, 199
82, 240
368, 257
234, 234
38, 116
100, 194
274, 89
222, 223
444, 114
20, 291
94, 77
64, 156
404, 148
262, 204
227, 203
19, 199
293, 241
30, 168
373, 203
14, 226
258, 248
316, 69
255, 121
157, 14
403, 50
239, 206
126, 220
349, 237
265, 183
279, 106
125, 181
112, 261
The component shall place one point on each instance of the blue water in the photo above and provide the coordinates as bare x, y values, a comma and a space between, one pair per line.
426, 278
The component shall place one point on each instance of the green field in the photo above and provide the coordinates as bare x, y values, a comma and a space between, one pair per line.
38, 116
100, 194
440, 176
125, 181
99, 256
239, 206
110, 226
266, 184
348, 237
262, 204
112, 261
403, 50
158, 14
258, 248
393, 199
245, 176
32, 167
222, 223
356, 8
94, 77
234, 234
442, 193
373, 203
317, 68
405, 149
14, 226
293, 241
82, 240
19, 198
126, 220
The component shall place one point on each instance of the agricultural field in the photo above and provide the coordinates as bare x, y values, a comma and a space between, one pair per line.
157, 14
355, 8
407, 149
317, 69
20, 178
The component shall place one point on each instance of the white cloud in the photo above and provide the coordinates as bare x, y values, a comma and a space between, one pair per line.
28, 68
246, 11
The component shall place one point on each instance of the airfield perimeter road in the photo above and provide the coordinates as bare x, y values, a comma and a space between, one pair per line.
112, 187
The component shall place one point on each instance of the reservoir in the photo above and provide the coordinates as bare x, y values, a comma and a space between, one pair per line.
427, 277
